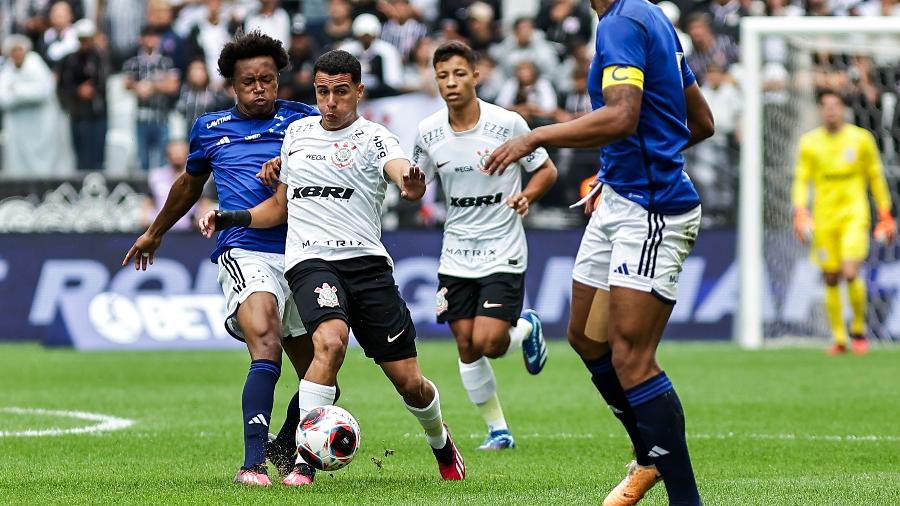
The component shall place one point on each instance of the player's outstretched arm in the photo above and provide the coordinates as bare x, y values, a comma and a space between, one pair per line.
267, 214
614, 121
699, 116
537, 186
185, 192
409, 178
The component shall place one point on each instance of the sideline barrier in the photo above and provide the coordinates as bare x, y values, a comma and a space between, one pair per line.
70, 290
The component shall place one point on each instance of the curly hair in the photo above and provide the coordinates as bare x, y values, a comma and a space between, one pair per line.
336, 62
250, 45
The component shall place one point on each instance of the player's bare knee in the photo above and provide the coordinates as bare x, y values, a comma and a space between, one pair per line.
578, 341
330, 346
831, 278
468, 351
494, 346
412, 387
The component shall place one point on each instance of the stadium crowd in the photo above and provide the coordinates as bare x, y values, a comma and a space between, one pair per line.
71, 67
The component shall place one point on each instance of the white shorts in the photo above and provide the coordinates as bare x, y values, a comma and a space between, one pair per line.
625, 245
243, 272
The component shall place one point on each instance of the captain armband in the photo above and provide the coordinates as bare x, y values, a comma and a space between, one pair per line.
622, 74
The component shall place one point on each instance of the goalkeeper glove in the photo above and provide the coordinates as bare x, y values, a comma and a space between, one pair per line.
803, 225
886, 230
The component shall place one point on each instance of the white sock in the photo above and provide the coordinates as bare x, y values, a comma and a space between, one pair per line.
431, 420
518, 334
481, 385
313, 395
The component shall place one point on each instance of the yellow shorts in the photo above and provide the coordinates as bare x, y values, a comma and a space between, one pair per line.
845, 242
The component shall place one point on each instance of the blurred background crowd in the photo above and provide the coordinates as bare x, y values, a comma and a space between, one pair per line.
113, 86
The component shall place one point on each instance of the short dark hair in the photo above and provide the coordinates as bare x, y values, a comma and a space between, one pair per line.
824, 92
336, 62
250, 45
453, 48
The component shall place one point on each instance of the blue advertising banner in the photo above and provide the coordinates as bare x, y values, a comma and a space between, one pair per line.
70, 289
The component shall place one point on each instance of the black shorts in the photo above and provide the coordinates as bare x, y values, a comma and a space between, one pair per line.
498, 296
361, 291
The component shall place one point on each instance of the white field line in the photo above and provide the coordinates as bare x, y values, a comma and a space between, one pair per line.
105, 422
786, 436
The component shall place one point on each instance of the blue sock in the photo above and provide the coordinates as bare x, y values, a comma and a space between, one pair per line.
256, 403
661, 422
603, 376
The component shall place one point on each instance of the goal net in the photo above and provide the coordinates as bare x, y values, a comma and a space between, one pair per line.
786, 60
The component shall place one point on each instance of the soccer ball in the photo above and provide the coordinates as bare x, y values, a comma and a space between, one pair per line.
327, 438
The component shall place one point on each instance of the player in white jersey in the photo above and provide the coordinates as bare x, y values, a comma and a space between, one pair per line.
484, 253
333, 178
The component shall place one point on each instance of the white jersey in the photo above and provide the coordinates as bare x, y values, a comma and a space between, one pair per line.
335, 187
482, 235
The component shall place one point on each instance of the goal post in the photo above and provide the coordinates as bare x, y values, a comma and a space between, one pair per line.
750, 318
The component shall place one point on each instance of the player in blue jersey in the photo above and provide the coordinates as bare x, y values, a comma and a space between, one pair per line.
233, 145
647, 109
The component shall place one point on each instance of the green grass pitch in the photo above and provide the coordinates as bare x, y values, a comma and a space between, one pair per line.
776, 427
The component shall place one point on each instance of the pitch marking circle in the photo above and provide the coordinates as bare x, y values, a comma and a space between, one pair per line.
104, 422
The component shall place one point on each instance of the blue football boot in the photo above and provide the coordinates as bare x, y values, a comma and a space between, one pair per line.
498, 440
534, 347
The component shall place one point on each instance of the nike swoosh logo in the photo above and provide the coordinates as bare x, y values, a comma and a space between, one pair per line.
392, 339
295, 151
490, 305
442, 164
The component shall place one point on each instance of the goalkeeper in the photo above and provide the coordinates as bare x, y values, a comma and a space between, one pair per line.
840, 161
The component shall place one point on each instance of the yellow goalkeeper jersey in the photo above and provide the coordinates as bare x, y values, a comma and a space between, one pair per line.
840, 167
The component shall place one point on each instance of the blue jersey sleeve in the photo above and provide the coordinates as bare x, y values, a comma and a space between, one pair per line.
687, 75
197, 162
622, 41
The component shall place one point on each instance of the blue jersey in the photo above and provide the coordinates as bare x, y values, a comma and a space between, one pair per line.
647, 167
234, 147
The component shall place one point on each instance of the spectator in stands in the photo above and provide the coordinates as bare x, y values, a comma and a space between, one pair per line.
458, 12
82, 92
418, 74
160, 180
525, 44
864, 96
725, 18
482, 27
155, 81
878, 8
159, 17
198, 96
402, 30
565, 21
673, 13
336, 29
382, 72
122, 21
530, 95
271, 20
713, 163
578, 58
296, 81
576, 102
31, 146
208, 34
708, 47
59, 40
490, 80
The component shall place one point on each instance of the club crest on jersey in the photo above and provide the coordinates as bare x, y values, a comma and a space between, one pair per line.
483, 156
327, 296
440, 300
342, 157
849, 155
